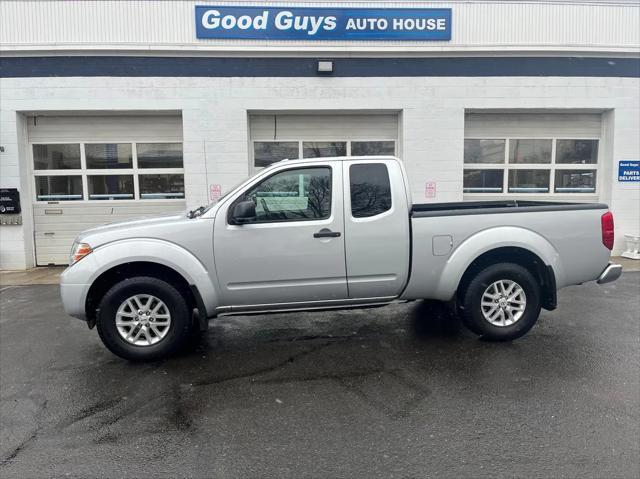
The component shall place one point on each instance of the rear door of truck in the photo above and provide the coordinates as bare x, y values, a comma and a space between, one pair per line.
377, 235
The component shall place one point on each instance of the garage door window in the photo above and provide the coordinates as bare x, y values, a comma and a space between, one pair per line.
110, 187
159, 155
542, 166
161, 186
108, 155
56, 157
267, 152
59, 188
108, 171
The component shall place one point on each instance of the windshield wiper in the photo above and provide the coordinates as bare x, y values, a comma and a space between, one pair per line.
195, 213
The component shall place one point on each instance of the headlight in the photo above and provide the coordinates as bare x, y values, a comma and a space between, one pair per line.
79, 251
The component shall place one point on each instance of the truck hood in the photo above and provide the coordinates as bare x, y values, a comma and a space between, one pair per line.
160, 227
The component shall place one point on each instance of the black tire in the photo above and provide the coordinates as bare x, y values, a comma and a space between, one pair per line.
180, 328
471, 311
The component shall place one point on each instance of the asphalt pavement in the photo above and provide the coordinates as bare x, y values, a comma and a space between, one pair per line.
401, 391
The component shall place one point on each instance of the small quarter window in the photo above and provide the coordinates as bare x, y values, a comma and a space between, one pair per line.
370, 189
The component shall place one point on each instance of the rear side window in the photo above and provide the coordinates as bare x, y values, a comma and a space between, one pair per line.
370, 189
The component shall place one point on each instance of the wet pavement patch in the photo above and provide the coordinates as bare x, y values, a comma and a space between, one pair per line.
389, 392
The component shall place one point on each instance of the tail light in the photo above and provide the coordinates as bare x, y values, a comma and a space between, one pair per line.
606, 221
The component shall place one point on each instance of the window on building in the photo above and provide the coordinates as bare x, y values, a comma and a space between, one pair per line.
323, 149
108, 171
59, 188
56, 157
159, 155
373, 148
541, 166
161, 186
267, 152
370, 189
110, 187
294, 195
108, 155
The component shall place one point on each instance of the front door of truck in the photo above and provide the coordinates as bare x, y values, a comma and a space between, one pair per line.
293, 250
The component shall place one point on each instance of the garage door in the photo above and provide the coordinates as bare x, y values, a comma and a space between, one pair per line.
275, 137
94, 170
540, 156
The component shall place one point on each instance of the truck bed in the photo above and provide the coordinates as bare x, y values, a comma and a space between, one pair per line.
422, 210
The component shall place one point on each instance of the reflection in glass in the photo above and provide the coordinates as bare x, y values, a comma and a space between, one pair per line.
267, 152
161, 187
110, 187
528, 181
575, 181
56, 157
370, 190
577, 152
323, 149
108, 155
372, 148
483, 151
301, 194
159, 155
483, 181
58, 188
529, 151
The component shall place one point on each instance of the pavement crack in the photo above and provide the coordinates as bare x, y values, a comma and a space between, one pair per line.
92, 410
19, 448
265, 370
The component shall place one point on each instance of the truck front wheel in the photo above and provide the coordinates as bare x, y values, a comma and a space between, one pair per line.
502, 302
143, 319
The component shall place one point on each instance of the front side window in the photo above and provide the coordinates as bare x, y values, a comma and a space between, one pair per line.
370, 189
293, 195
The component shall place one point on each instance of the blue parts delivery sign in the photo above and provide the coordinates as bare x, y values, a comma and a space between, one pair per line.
629, 170
281, 23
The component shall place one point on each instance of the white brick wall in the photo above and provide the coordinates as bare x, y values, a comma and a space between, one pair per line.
215, 125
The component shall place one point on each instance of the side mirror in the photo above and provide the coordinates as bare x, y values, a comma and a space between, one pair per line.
244, 212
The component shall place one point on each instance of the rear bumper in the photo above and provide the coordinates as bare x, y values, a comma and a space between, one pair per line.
610, 273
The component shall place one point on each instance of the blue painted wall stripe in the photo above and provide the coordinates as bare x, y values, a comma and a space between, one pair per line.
126, 66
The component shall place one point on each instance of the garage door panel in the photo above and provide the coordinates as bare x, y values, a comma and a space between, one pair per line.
55, 233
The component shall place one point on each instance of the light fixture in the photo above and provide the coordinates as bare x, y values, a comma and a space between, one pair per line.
325, 66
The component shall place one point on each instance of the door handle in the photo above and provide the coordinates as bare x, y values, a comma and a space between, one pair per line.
326, 233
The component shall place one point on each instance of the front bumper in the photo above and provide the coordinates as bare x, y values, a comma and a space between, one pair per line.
610, 273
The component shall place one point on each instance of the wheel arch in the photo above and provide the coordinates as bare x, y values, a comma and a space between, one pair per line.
159, 259
503, 244
543, 273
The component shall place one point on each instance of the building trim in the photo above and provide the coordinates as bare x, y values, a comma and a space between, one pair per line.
144, 66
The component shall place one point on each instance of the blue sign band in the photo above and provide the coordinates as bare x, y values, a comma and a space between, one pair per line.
280, 23
628, 170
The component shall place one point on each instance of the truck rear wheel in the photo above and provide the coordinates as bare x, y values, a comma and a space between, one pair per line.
502, 302
144, 319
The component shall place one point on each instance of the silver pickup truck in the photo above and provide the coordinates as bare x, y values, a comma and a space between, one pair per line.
330, 233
